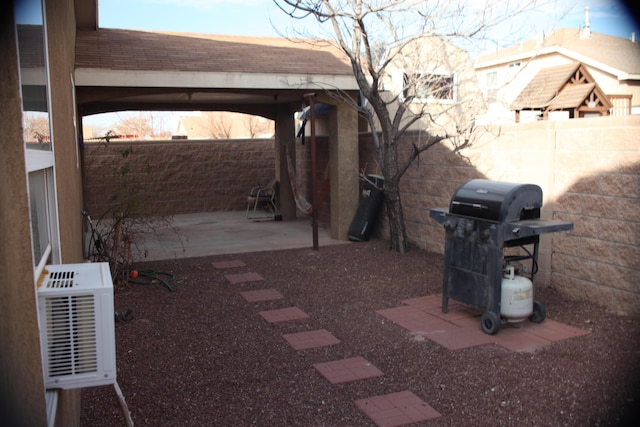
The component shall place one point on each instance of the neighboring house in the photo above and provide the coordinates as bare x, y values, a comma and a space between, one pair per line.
435, 76
223, 125
565, 91
613, 64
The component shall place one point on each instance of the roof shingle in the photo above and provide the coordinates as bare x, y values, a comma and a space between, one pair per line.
136, 50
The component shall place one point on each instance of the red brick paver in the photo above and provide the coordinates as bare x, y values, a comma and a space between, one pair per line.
261, 295
460, 326
347, 370
396, 409
311, 339
221, 265
243, 278
283, 314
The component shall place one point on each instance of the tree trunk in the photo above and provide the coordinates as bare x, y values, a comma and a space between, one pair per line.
395, 215
388, 158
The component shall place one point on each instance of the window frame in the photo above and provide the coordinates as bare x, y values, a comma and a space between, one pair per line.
416, 76
42, 160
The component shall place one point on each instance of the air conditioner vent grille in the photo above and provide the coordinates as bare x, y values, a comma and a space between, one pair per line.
60, 280
71, 335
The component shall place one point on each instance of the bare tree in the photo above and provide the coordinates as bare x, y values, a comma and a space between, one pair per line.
257, 125
380, 37
36, 128
218, 124
139, 126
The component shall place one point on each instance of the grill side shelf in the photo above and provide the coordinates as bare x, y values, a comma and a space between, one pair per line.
536, 227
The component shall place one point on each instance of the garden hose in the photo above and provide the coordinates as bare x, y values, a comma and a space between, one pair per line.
152, 277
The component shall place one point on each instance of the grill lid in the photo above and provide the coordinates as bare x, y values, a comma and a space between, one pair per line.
497, 201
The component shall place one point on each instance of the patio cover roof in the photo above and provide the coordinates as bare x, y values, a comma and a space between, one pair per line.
118, 69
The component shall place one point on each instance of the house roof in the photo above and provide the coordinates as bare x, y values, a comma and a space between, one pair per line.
557, 88
117, 49
616, 55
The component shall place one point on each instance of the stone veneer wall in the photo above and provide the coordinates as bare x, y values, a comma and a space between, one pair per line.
589, 171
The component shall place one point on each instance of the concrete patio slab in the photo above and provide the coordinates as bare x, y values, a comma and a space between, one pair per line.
227, 232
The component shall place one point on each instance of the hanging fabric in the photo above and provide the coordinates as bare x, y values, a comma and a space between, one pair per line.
301, 202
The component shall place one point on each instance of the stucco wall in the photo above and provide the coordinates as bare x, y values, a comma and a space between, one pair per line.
589, 171
22, 399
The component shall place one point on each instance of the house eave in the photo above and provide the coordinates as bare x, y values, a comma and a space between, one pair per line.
530, 55
188, 79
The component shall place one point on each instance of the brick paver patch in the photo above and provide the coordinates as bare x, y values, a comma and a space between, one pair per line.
347, 370
221, 265
460, 326
261, 295
311, 339
396, 409
243, 278
283, 314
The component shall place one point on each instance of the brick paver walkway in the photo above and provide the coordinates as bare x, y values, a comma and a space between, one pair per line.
423, 317
283, 315
347, 370
311, 339
396, 409
460, 327
262, 295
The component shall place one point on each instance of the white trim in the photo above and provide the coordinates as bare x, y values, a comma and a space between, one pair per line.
531, 55
189, 79
51, 397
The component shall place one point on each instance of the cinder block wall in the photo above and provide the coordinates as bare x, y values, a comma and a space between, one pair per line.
589, 171
176, 177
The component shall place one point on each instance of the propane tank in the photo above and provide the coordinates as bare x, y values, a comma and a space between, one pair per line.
516, 302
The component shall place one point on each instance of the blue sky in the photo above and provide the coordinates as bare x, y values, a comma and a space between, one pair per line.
263, 18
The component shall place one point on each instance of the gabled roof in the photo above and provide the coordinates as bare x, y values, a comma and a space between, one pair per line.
615, 55
558, 88
544, 87
135, 50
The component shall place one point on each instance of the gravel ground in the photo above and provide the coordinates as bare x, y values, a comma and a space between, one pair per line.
202, 355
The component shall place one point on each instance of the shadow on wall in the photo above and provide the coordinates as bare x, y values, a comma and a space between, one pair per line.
598, 260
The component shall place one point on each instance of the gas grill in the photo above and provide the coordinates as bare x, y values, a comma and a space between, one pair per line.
483, 219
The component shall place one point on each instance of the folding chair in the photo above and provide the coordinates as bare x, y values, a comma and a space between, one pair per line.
263, 196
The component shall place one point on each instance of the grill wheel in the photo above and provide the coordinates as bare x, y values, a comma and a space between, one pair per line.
490, 323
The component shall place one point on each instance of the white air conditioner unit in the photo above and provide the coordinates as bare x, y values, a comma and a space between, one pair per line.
77, 333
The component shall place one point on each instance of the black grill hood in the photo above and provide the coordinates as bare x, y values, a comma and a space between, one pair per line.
497, 201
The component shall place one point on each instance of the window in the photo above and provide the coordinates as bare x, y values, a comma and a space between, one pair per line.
492, 86
423, 87
38, 143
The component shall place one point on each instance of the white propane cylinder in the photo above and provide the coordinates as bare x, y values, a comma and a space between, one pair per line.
516, 302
